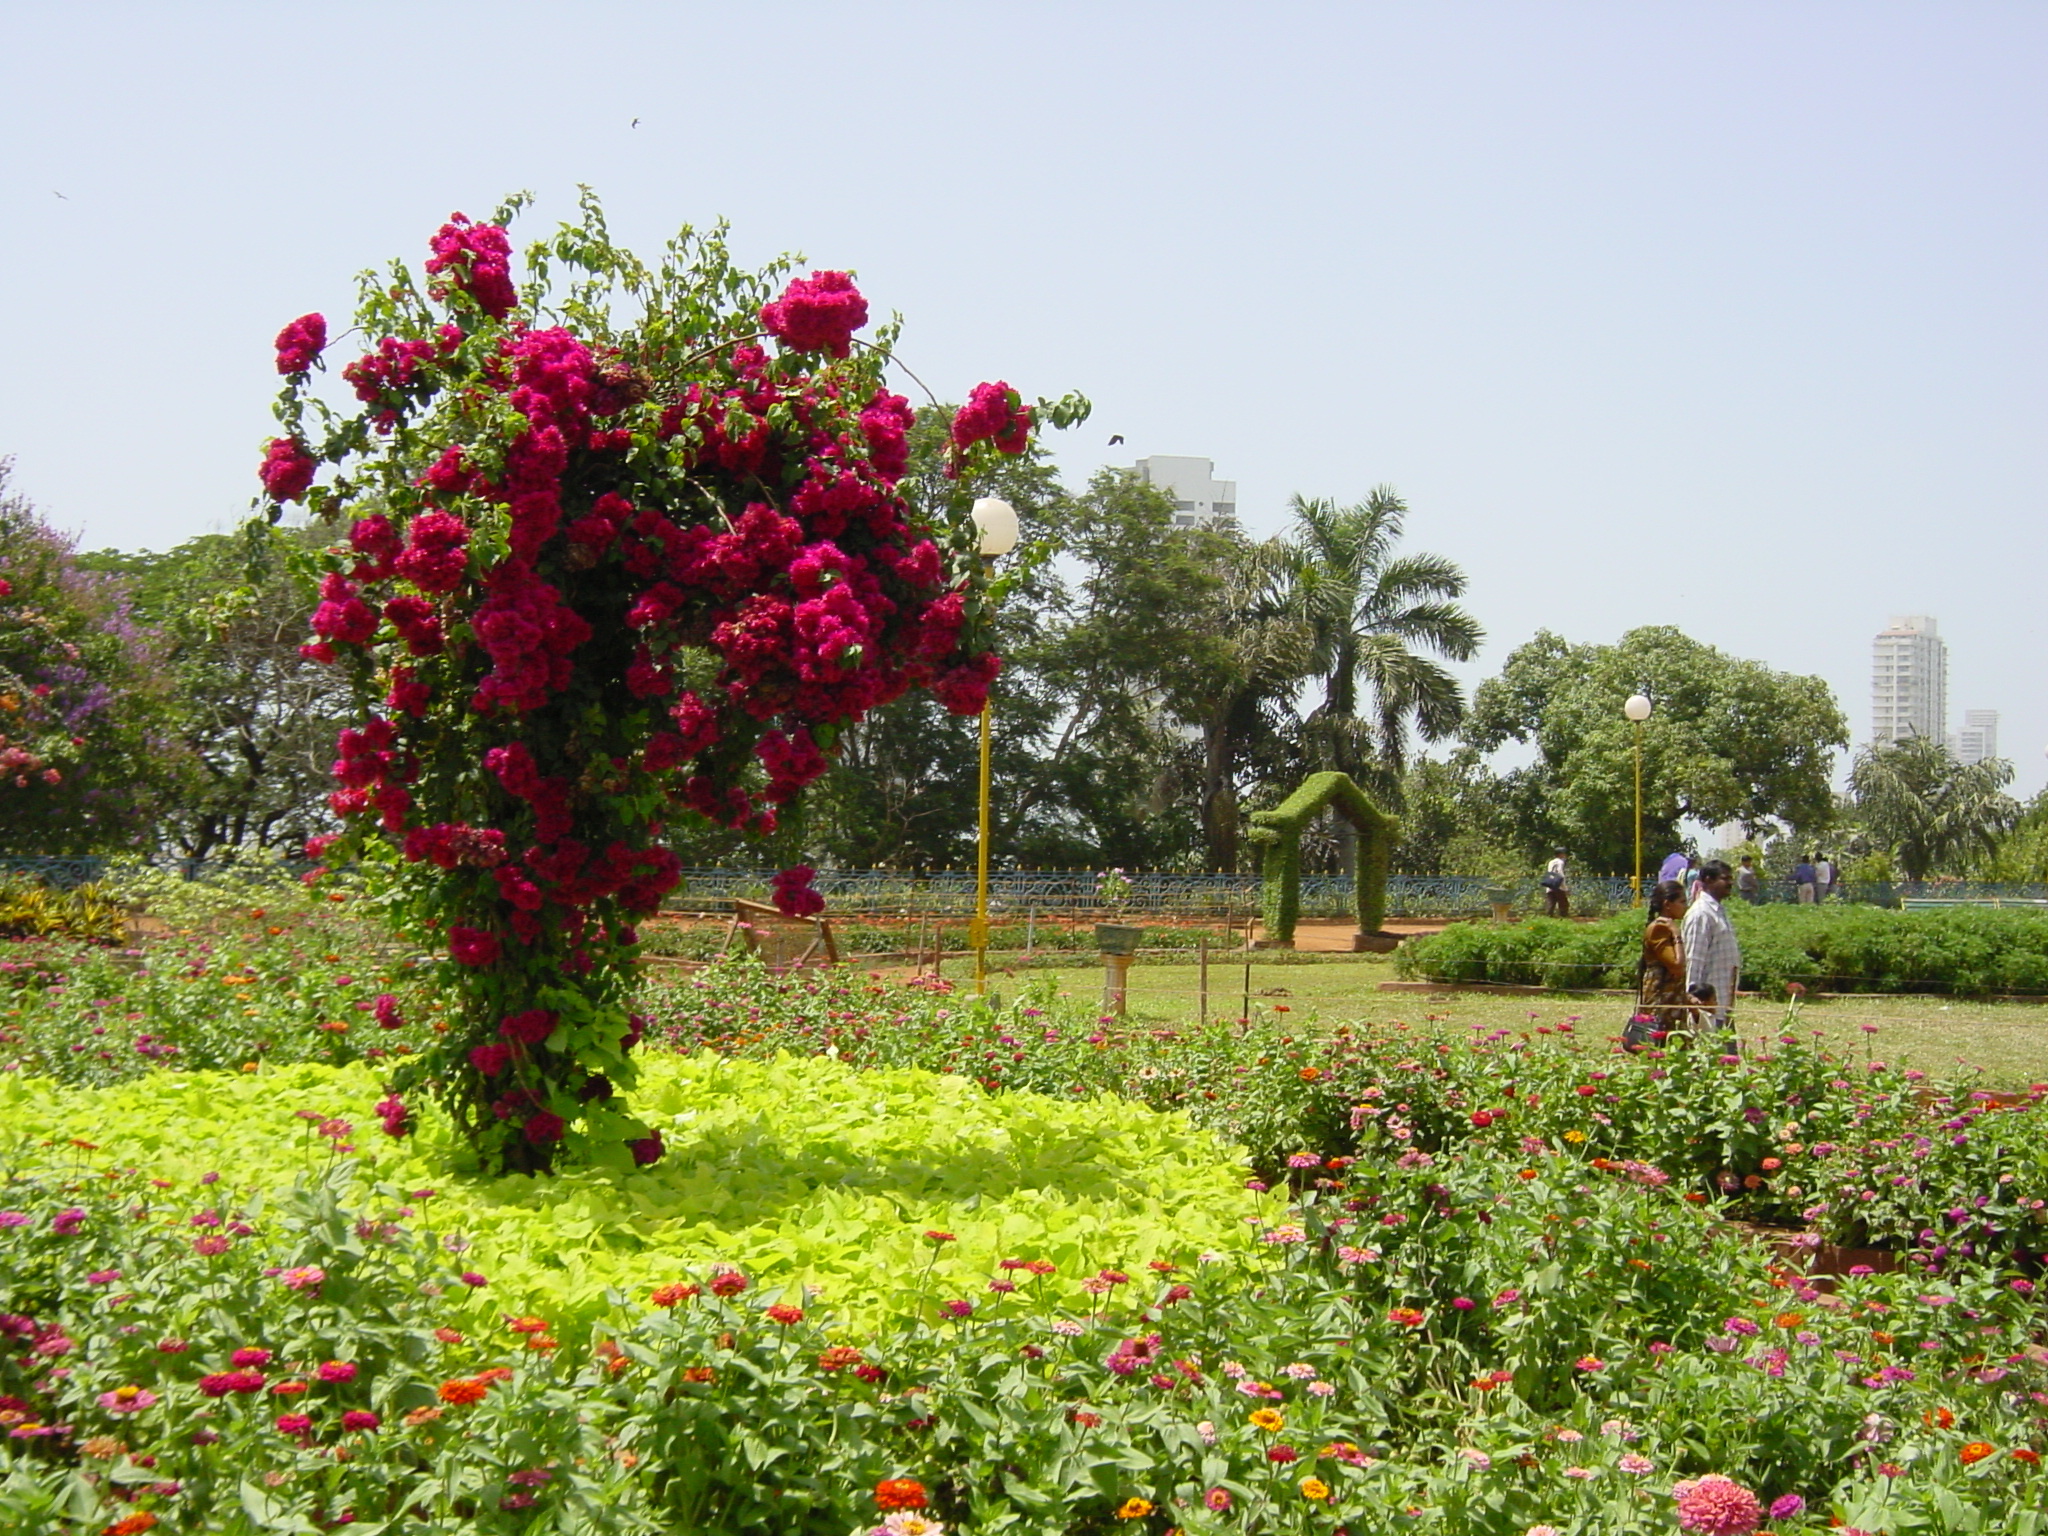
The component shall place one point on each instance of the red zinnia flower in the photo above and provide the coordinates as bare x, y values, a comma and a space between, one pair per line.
899, 1493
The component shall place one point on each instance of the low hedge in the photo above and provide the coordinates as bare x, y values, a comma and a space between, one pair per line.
1836, 948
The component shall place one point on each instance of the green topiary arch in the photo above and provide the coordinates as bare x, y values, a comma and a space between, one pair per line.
1279, 831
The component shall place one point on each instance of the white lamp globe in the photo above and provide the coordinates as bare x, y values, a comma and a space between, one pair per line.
996, 522
1637, 708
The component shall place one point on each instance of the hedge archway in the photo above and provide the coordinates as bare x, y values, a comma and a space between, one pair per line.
1279, 832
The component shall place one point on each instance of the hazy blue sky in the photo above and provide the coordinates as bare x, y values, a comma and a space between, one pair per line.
1730, 315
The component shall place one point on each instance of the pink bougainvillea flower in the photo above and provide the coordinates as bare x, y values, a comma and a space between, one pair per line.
300, 343
288, 469
818, 313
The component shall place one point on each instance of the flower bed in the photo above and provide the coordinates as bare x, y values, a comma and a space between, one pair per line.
1494, 1288
1482, 1341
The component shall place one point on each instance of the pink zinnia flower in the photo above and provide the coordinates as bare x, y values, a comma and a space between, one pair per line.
129, 1399
360, 1418
337, 1370
1718, 1506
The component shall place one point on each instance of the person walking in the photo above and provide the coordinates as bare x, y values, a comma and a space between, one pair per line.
1803, 880
1557, 896
1713, 958
1825, 874
1675, 867
1661, 1002
1749, 885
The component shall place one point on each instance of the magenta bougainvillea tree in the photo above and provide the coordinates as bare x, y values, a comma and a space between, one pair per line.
595, 578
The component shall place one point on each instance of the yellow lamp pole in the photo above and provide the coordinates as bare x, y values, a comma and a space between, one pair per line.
1638, 710
996, 524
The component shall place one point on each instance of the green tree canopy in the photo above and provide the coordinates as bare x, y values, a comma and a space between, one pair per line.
1931, 811
255, 721
1728, 740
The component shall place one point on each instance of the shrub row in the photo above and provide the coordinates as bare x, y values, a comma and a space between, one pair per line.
1839, 948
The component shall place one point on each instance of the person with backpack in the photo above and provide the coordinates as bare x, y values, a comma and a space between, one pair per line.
1557, 896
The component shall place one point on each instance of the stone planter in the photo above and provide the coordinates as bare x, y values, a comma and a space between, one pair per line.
1118, 938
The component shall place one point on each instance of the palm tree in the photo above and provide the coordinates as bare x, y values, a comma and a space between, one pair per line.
1268, 649
1373, 613
1929, 809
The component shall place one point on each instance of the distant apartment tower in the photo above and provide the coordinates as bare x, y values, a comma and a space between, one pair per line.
1908, 682
1198, 497
1977, 741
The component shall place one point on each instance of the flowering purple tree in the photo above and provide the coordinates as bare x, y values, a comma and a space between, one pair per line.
83, 761
599, 577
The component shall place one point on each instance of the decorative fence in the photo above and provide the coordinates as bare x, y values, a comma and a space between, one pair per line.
942, 893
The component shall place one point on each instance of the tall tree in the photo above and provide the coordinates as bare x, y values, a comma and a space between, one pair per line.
256, 720
1729, 740
1931, 810
1268, 651
1379, 618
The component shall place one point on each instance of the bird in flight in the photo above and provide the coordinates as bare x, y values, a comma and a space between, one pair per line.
636, 122
1115, 440
55, 193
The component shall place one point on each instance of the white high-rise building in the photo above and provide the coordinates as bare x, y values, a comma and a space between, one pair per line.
1199, 498
1977, 741
1908, 682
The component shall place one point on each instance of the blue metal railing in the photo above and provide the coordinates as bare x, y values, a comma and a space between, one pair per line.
1016, 892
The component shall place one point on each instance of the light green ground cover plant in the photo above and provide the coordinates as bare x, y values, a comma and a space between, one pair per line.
819, 1178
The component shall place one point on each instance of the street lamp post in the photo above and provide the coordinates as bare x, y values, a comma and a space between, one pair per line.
1638, 710
996, 523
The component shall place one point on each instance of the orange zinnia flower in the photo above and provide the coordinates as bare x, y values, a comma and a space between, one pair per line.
1134, 1509
1976, 1450
1314, 1488
132, 1525
899, 1493
1268, 1419
464, 1389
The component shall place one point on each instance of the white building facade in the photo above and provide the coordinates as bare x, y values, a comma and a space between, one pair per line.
1977, 741
1199, 498
1908, 682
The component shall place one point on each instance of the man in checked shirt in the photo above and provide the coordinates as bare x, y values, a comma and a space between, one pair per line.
1711, 954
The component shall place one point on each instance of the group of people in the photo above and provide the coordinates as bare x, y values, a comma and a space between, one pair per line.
1814, 878
1691, 960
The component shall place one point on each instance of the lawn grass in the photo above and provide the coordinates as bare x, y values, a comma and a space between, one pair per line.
2006, 1042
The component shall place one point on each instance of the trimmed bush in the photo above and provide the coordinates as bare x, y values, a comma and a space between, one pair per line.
1968, 950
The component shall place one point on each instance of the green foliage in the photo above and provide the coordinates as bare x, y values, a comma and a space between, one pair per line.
254, 719
31, 910
1729, 740
1931, 811
811, 1174
1840, 947
1279, 832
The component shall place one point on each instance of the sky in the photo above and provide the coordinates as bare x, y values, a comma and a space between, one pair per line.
1726, 315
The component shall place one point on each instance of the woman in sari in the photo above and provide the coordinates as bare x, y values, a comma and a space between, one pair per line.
1661, 1001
